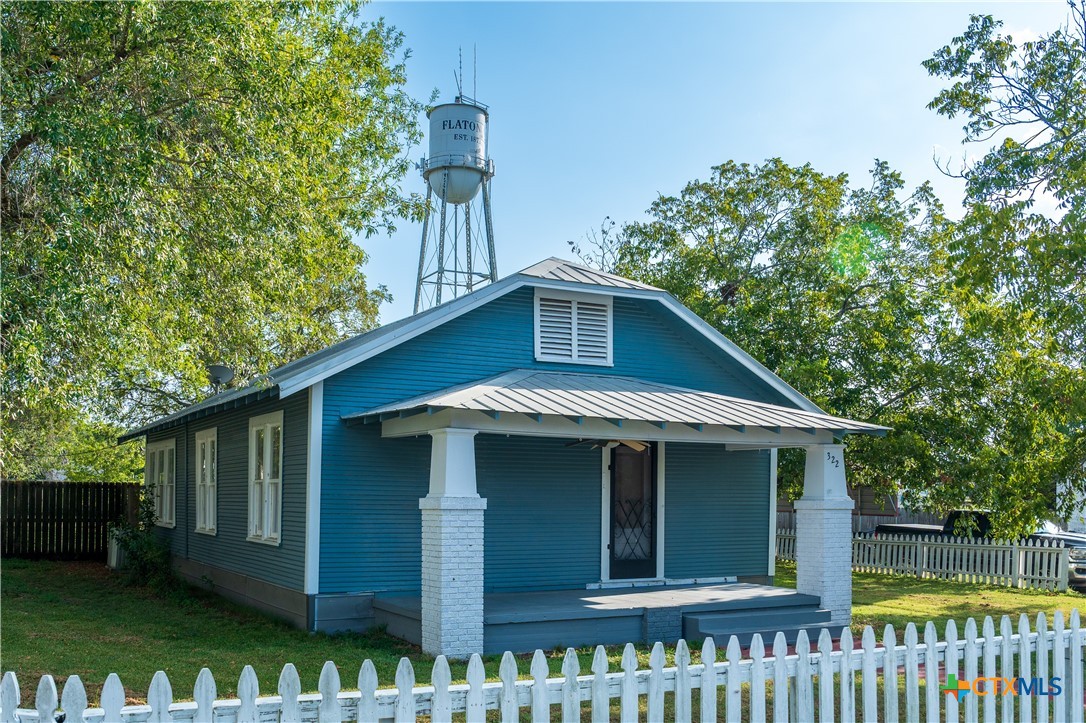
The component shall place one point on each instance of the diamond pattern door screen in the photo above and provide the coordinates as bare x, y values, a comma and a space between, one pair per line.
633, 513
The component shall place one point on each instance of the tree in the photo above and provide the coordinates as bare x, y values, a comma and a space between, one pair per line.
180, 185
847, 293
1026, 103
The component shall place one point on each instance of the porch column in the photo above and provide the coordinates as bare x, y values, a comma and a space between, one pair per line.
452, 548
824, 532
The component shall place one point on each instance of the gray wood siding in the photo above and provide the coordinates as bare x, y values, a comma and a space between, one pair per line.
717, 511
228, 549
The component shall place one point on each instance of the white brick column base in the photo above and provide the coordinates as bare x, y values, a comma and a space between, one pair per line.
824, 532
824, 554
452, 575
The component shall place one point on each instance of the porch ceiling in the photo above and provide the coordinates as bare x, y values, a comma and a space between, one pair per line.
576, 399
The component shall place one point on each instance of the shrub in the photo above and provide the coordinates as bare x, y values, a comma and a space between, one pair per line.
147, 555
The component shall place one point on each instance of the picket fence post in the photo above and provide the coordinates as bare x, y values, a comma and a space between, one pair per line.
757, 679
541, 707
1059, 662
405, 685
205, 692
628, 711
1006, 660
825, 676
951, 668
889, 686
510, 706
682, 683
1017, 558
9, 697
1042, 665
571, 692
656, 682
441, 679
989, 667
601, 698
1075, 697
367, 688
734, 709
709, 681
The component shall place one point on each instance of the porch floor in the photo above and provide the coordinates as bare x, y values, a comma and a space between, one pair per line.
524, 621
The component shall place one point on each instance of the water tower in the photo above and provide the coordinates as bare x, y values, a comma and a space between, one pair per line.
457, 253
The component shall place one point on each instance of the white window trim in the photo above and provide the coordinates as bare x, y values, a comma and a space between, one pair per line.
150, 450
605, 299
265, 420
207, 435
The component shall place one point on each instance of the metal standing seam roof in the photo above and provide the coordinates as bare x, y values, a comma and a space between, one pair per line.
558, 269
527, 391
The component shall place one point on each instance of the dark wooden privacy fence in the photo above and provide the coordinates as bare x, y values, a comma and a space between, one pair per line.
62, 520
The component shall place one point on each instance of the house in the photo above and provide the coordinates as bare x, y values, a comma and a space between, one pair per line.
563, 456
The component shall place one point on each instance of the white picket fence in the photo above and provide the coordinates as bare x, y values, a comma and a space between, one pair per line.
1038, 564
801, 685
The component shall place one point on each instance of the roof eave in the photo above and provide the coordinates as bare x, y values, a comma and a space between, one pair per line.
183, 417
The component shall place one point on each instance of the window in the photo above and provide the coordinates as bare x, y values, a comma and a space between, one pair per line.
265, 477
207, 480
572, 327
159, 477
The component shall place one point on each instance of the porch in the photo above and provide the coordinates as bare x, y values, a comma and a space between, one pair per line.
633, 422
525, 621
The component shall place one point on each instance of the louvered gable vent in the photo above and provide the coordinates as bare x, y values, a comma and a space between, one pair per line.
573, 328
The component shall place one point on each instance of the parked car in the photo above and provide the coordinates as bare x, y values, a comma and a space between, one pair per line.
978, 525
1076, 553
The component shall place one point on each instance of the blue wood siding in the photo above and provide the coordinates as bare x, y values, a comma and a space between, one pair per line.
371, 528
542, 524
228, 549
370, 486
717, 511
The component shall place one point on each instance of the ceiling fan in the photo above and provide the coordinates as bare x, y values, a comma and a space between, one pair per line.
611, 444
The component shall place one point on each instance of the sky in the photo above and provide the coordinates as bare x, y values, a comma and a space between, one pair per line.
596, 109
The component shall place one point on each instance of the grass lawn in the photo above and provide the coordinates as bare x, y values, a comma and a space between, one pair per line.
66, 618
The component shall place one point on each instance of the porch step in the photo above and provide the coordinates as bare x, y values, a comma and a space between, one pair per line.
722, 625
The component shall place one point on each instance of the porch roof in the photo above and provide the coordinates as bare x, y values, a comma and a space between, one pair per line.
579, 396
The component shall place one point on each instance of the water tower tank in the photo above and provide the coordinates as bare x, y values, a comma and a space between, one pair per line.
457, 163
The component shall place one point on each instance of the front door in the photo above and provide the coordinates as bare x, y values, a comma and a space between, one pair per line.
633, 513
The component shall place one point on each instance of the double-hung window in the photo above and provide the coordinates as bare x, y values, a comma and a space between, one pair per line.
572, 327
266, 477
207, 479
159, 474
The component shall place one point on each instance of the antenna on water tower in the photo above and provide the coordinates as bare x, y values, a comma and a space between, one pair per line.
454, 257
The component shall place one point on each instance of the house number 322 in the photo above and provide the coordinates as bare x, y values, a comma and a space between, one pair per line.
832, 458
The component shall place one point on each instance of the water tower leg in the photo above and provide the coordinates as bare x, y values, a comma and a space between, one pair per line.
467, 244
441, 238
489, 231
422, 250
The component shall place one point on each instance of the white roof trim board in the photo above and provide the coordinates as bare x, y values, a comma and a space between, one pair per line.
551, 273
602, 396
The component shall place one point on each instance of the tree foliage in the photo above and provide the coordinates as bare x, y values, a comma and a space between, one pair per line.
849, 293
966, 337
1028, 101
181, 183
